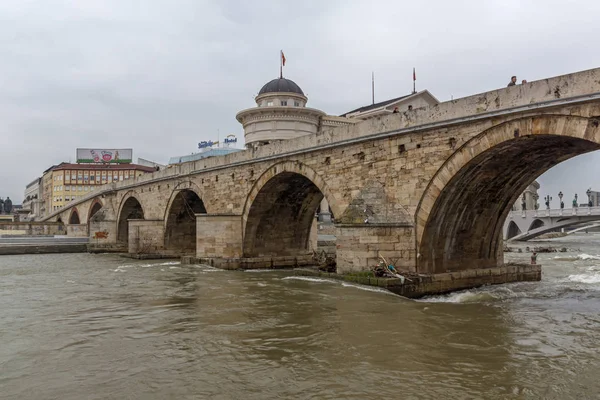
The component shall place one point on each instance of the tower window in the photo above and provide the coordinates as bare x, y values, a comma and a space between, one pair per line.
297, 103
269, 103
284, 102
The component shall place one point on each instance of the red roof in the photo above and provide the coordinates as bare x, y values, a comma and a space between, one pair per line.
105, 167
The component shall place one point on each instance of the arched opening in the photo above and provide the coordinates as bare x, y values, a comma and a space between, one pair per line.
74, 217
61, 227
281, 217
180, 231
132, 209
513, 230
463, 228
538, 223
96, 206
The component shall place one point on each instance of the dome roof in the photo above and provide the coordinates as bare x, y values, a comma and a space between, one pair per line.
281, 85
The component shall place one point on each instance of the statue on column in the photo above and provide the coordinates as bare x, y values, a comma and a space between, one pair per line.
7, 205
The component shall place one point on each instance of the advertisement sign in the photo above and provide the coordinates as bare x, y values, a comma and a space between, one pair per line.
230, 139
107, 156
205, 144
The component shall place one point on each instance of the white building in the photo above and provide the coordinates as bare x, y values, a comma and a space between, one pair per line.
399, 104
528, 199
33, 199
280, 114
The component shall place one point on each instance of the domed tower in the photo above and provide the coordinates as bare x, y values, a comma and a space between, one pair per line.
280, 114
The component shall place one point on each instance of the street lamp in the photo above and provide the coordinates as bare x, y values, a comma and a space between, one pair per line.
575, 201
560, 196
589, 194
548, 199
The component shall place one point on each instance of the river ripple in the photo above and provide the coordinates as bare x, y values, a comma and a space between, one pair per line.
78, 326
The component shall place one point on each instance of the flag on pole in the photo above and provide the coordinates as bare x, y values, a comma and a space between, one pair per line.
414, 81
282, 58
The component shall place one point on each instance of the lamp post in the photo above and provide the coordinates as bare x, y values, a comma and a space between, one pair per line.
575, 201
560, 196
589, 194
548, 199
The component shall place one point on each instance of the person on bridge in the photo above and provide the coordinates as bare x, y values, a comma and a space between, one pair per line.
534, 258
513, 81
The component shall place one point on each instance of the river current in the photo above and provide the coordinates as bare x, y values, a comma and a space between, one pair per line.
83, 326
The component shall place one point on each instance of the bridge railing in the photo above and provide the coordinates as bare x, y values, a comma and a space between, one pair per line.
554, 212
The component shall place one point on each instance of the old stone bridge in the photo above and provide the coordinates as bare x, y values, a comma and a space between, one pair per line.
428, 188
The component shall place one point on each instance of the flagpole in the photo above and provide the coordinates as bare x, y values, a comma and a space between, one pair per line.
373, 86
280, 64
414, 81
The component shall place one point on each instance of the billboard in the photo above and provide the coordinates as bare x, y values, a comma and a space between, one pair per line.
112, 156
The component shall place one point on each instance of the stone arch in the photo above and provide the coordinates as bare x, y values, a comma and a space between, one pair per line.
293, 167
513, 230
279, 212
130, 208
94, 208
180, 218
460, 216
74, 217
537, 223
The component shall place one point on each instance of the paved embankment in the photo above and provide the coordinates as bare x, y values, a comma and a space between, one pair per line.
42, 245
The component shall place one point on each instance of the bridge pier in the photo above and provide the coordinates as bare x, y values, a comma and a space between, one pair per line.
360, 245
146, 236
103, 236
219, 239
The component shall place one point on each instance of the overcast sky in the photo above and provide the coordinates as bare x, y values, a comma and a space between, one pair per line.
160, 76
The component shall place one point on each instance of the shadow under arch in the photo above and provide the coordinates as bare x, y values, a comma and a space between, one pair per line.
180, 218
537, 223
74, 217
130, 208
94, 208
513, 230
460, 216
279, 212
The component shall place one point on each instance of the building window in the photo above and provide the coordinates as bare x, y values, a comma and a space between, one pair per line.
297, 103
284, 102
269, 103
79, 188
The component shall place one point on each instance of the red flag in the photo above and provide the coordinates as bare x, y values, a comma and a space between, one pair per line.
414, 75
282, 58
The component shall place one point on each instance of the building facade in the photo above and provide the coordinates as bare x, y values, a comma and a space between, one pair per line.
33, 200
528, 199
66, 182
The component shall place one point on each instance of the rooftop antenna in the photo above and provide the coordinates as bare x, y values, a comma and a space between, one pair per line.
373, 87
